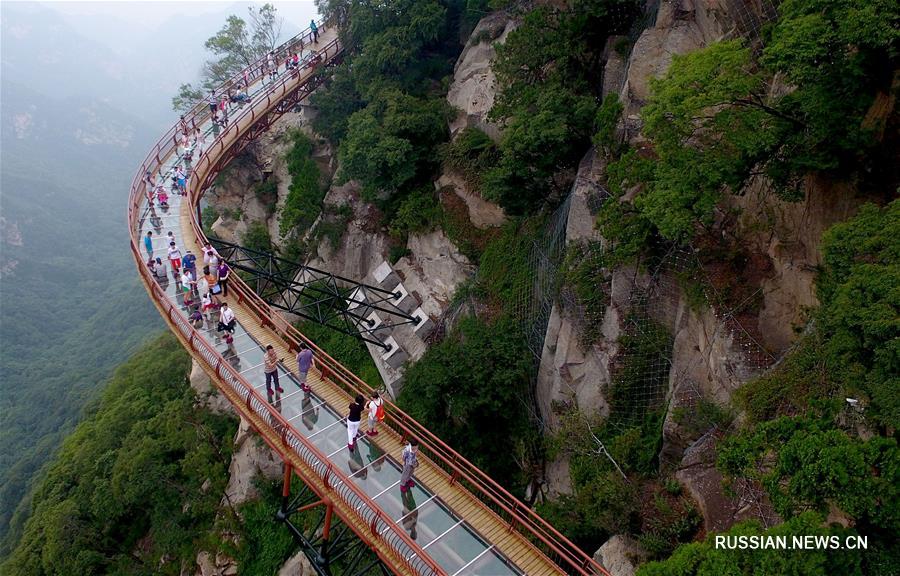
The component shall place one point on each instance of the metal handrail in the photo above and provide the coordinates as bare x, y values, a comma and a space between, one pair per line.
458, 468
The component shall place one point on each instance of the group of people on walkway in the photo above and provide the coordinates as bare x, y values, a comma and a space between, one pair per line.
201, 294
374, 408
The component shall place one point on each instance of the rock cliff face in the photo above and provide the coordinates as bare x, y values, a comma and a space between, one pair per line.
473, 89
712, 354
681, 26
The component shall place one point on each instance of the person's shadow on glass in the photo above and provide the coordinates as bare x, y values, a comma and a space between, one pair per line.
410, 513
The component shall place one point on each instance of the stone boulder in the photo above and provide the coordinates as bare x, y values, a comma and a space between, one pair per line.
615, 65
569, 372
474, 84
482, 214
697, 473
433, 270
215, 565
297, 565
790, 234
621, 555
251, 456
207, 393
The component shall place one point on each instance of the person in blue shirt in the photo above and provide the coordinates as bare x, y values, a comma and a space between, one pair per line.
189, 263
148, 244
314, 29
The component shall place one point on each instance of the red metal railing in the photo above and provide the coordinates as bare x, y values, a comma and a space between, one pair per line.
543, 536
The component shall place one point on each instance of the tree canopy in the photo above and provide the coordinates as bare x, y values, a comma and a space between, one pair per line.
238, 44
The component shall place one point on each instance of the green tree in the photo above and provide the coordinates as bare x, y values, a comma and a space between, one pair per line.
238, 44
859, 291
476, 380
257, 237
704, 558
124, 494
305, 193
547, 101
392, 140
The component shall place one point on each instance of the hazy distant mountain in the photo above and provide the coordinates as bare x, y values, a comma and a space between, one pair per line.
135, 68
70, 304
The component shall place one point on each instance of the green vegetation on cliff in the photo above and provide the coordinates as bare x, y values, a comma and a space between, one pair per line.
471, 391
721, 115
803, 443
137, 484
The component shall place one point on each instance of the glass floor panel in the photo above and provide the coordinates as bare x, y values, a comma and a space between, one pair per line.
325, 419
299, 405
490, 563
396, 503
432, 519
456, 548
330, 439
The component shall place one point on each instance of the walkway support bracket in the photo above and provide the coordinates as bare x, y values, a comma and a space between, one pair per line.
333, 301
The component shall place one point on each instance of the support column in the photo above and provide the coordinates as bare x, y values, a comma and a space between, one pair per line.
285, 491
322, 560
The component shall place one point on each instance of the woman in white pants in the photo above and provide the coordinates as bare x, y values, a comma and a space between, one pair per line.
353, 422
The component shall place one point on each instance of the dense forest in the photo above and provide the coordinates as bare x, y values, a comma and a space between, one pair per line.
138, 482
71, 309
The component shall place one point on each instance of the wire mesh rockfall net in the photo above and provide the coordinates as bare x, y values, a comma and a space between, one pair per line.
632, 318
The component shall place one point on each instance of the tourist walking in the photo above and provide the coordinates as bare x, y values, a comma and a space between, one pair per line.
148, 244
174, 258
270, 369
213, 103
181, 181
353, 419
227, 320
304, 362
189, 263
410, 461
187, 287
314, 29
223, 272
272, 64
376, 413
210, 256
212, 281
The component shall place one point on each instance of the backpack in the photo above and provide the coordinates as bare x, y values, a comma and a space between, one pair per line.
379, 411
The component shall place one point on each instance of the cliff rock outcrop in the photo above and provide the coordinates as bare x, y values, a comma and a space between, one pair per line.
473, 89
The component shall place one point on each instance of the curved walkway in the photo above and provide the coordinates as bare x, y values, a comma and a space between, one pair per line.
455, 520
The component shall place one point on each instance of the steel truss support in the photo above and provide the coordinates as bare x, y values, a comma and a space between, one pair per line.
333, 301
327, 545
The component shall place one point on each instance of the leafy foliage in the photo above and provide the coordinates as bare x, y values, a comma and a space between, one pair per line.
714, 119
860, 315
547, 100
305, 193
257, 237
392, 140
475, 380
238, 44
419, 212
383, 106
471, 153
131, 473
701, 558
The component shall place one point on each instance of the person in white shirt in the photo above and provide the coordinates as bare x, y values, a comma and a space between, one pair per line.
210, 256
227, 320
174, 258
376, 403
